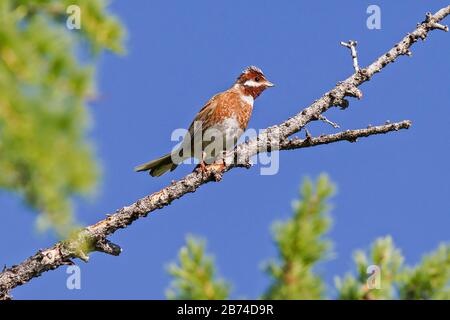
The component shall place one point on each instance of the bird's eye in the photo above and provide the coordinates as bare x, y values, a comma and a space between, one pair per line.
257, 79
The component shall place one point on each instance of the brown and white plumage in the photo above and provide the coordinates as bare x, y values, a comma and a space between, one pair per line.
227, 113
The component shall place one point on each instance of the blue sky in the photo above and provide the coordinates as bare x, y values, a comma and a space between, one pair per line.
180, 53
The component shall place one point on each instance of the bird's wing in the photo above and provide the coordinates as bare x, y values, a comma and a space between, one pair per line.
220, 106
204, 116
198, 125
215, 109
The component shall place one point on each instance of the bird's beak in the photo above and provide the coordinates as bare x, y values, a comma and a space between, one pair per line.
269, 84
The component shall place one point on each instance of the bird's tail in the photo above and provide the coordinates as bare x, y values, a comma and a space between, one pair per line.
158, 166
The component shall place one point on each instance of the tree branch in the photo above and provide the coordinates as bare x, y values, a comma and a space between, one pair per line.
93, 238
348, 135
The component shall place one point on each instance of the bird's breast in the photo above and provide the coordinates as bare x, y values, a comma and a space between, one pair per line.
230, 128
248, 99
229, 109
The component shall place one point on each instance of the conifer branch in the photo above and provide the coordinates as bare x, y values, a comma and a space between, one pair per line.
195, 275
93, 238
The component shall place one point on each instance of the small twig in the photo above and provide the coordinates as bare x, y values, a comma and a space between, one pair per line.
433, 24
331, 123
352, 46
440, 27
307, 134
348, 135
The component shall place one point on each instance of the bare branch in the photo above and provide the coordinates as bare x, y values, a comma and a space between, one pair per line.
93, 238
348, 135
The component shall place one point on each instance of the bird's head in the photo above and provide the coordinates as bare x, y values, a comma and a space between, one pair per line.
252, 81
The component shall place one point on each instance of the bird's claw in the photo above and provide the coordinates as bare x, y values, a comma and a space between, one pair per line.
202, 168
215, 170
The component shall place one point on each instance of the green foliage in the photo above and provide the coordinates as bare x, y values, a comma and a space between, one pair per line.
300, 244
387, 258
430, 279
195, 278
45, 155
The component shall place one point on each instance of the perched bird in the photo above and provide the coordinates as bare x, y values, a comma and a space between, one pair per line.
225, 116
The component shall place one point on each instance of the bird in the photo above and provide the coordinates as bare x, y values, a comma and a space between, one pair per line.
224, 117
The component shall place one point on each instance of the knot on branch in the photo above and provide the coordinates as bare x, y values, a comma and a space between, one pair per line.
413, 37
350, 138
337, 97
106, 246
353, 91
362, 75
407, 52
403, 48
342, 90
